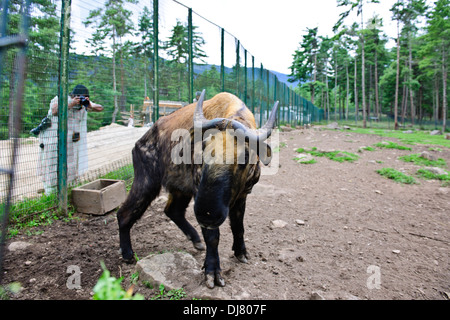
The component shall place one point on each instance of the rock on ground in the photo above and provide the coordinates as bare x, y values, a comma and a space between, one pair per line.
18, 245
172, 269
177, 270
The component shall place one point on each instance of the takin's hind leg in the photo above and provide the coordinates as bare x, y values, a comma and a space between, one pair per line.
130, 211
146, 186
176, 209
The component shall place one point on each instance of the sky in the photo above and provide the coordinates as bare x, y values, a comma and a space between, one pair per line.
272, 30
269, 30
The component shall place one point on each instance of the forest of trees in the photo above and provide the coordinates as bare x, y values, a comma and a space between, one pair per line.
355, 74
117, 67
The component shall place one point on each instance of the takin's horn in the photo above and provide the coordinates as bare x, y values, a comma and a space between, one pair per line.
200, 122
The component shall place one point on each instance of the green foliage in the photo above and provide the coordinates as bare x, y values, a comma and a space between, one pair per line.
418, 137
426, 174
339, 156
418, 160
397, 176
109, 288
8, 290
30, 213
366, 149
391, 145
174, 294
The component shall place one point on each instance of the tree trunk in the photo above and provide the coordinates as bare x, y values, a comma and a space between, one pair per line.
411, 93
356, 92
122, 83
116, 107
397, 79
363, 71
436, 111
314, 78
335, 89
347, 90
377, 97
328, 97
369, 109
444, 91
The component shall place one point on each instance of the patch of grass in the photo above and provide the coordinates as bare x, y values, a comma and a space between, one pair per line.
280, 146
339, 156
423, 173
366, 149
312, 161
418, 160
417, 137
34, 212
391, 145
397, 176
174, 294
109, 288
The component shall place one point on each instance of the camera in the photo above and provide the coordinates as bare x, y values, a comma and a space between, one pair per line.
45, 124
83, 102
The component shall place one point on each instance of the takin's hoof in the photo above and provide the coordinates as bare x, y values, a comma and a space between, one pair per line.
212, 279
243, 258
128, 259
199, 246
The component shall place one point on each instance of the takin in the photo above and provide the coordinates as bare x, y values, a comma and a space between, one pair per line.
219, 188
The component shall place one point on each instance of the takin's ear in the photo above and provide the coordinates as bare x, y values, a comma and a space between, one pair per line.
264, 153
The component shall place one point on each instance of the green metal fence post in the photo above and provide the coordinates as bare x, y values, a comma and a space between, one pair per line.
63, 93
237, 68
253, 84
268, 91
261, 107
245, 77
222, 59
191, 57
156, 57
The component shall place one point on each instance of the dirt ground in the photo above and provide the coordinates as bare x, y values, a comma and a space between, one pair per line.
350, 233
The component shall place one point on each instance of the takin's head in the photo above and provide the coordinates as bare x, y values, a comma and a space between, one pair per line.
231, 153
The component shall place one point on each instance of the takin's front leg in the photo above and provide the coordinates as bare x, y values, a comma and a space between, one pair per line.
237, 228
175, 209
212, 262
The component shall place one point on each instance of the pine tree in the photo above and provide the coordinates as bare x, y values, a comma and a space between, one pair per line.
112, 21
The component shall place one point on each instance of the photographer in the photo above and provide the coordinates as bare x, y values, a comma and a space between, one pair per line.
79, 105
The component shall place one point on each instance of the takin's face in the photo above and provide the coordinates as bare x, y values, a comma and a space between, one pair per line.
229, 171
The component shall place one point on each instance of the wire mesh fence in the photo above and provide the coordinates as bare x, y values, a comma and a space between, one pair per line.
138, 60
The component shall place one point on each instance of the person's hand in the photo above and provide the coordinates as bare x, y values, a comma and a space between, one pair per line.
90, 104
75, 102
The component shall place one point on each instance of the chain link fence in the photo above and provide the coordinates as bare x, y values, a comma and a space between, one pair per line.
139, 60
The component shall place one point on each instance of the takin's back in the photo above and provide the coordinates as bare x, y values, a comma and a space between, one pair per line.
223, 105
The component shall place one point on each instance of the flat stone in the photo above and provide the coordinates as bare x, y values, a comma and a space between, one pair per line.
172, 269
276, 224
18, 245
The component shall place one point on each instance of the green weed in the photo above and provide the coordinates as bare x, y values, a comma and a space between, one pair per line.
418, 160
391, 145
397, 176
109, 288
366, 149
423, 173
312, 161
174, 294
339, 156
418, 137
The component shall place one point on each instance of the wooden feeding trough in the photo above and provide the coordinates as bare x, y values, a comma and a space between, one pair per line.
99, 197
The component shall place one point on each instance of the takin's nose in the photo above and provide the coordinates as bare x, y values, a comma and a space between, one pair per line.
210, 220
